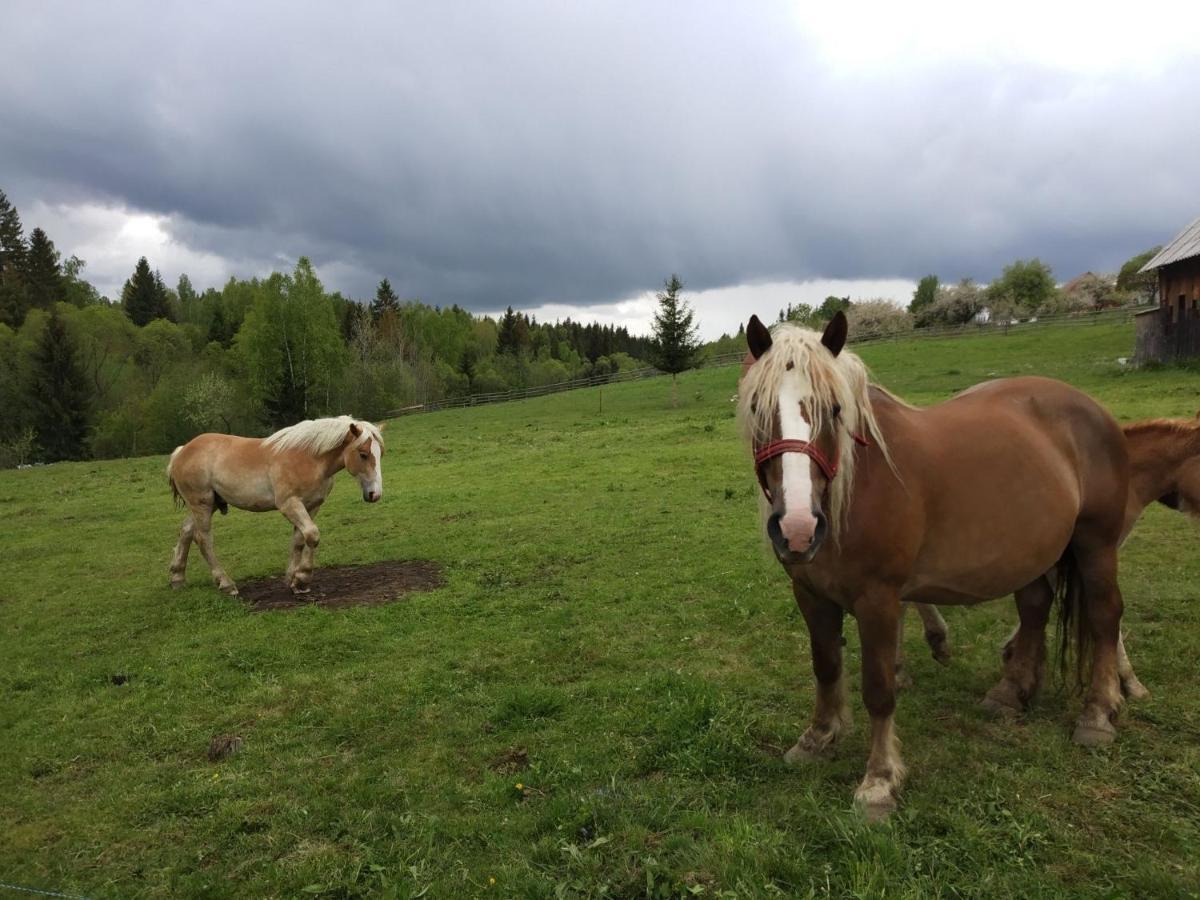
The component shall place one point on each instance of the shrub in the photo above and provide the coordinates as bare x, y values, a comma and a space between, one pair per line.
955, 305
878, 317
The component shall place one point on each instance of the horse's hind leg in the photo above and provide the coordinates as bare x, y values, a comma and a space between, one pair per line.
1025, 652
1102, 596
179, 560
831, 714
903, 679
937, 632
202, 516
1131, 687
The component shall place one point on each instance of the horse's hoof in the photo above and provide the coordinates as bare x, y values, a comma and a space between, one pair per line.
810, 749
1001, 702
1092, 735
1000, 710
301, 591
876, 802
230, 589
939, 646
176, 585
1134, 689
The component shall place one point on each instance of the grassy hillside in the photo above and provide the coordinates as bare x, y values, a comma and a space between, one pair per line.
613, 637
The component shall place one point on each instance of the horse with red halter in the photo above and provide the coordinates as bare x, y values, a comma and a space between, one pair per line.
869, 502
291, 471
1164, 466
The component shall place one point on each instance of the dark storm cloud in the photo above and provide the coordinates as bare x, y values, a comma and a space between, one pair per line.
526, 153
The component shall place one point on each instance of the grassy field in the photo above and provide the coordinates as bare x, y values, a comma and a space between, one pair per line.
596, 702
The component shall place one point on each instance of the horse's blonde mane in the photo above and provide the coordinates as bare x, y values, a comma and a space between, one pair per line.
322, 435
843, 380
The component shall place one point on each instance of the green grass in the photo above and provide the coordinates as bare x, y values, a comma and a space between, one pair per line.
611, 611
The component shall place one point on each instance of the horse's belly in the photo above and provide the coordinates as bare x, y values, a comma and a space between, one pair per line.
250, 493
973, 564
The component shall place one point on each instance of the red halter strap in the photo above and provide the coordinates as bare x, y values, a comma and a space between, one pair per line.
767, 452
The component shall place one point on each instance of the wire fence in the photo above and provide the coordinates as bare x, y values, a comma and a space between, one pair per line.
1116, 314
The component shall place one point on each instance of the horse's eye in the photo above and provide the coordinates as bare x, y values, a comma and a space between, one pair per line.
837, 410
364, 456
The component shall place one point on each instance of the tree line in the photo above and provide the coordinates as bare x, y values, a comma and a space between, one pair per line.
1025, 289
82, 376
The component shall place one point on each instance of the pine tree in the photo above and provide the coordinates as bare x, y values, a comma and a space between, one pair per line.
12, 238
43, 273
385, 300
217, 332
507, 340
143, 297
13, 251
60, 395
675, 341
166, 299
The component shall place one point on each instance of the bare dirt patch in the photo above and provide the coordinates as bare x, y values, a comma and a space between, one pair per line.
337, 587
511, 761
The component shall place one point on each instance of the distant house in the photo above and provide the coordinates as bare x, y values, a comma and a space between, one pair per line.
1171, 331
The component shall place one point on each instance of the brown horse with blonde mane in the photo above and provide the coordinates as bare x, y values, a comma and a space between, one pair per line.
869, 502
291, 471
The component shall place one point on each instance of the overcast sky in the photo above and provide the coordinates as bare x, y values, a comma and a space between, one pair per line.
564, 158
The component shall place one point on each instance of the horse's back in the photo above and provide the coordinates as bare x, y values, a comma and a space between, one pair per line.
1075, 430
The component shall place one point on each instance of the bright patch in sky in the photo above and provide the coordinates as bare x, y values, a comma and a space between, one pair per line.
110, 239
1074, 36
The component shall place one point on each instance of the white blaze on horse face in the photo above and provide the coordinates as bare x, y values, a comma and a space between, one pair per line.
377, 482
798, 523
370, 479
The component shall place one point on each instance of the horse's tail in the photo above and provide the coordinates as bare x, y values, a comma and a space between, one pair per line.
171, 479
1074, 627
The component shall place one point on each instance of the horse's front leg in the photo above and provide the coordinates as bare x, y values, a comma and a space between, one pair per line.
831, 714
294, 555
293, 508
179, 560
878, 618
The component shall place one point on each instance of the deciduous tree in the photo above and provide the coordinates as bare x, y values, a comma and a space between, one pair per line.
293, 345
925, 294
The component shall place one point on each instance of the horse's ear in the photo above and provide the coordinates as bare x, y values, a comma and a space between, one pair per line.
835, 333
355, 431
757, 337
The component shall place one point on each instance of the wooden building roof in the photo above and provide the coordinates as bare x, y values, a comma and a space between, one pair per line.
1184, 245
